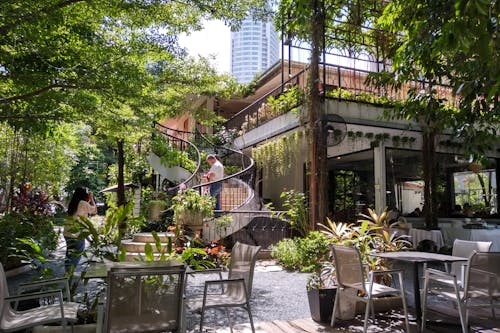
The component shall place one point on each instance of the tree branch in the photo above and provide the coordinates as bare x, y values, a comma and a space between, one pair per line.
34, 93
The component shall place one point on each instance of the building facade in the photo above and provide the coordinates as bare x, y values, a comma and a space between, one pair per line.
254, 48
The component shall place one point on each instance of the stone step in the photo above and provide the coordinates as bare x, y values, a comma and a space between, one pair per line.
147, 237
134, 256
140, 246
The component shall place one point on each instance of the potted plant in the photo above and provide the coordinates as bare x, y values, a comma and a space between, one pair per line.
310, 254
191, 208
321, 292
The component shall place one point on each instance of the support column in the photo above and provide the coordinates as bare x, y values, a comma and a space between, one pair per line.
380, 177
136, 212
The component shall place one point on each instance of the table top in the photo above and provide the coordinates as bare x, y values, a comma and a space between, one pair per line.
99, 270
416, 256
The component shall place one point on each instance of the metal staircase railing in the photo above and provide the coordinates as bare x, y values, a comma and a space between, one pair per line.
182, 141
241, 182
250, 223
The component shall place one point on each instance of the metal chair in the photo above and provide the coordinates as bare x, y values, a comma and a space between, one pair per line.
145, 300
350, 275
482, 282
55, 311
234, 291
464, 248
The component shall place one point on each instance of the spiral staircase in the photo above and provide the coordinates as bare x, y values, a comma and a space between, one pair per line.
238, 198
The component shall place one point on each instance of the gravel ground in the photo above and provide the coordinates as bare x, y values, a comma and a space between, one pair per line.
276, 295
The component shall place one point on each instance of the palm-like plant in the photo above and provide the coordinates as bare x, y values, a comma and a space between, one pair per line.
380, 219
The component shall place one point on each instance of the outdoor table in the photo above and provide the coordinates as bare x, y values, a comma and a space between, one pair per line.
416, 258
99, 270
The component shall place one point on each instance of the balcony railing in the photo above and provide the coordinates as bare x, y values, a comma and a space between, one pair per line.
332, 78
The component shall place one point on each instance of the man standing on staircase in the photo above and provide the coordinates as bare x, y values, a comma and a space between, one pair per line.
215, 173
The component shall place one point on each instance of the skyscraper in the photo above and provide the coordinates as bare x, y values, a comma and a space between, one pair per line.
254, 48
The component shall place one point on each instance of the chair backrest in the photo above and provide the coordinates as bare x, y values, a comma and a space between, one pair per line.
242, 265
464, 248
4, 289
483, 275
348, 266
145, 299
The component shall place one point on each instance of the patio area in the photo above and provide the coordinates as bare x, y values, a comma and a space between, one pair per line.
279, 304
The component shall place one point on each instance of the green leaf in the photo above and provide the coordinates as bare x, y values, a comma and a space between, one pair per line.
148, 252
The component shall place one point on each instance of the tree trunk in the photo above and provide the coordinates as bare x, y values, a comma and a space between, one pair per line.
430, 186
486, 193
120, 191
14, 163
317, 151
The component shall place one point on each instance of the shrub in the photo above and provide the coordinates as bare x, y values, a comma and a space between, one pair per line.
25, 237
303, 254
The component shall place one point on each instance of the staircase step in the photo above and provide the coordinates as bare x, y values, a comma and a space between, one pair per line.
140, 246
147, 237
134, 256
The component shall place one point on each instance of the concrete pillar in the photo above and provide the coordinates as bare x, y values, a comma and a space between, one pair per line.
380, 177
137, 201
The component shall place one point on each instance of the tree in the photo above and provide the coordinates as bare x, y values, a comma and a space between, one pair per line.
450, 42
71, 60
324, 24
43, 159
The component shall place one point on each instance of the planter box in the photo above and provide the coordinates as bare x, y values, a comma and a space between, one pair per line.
381, 304
321, 304
87, 328
18, 270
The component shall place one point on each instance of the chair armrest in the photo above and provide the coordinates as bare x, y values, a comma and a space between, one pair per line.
36, 295
60, 281
432, 271
47, 281
389, 271
207, 271
224, 281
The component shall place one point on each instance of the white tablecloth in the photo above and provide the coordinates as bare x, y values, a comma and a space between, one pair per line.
487, 235
418, 235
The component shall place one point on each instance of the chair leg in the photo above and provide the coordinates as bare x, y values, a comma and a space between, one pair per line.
367, 314
461, 311
493, 315
403, 300
228, 313
201, 319
250, 317
424, 301
335, 305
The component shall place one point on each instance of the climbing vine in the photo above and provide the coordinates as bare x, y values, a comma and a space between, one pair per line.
279, 155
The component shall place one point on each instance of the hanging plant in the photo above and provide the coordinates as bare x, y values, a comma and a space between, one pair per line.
412, 141
396, 140
279, 155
